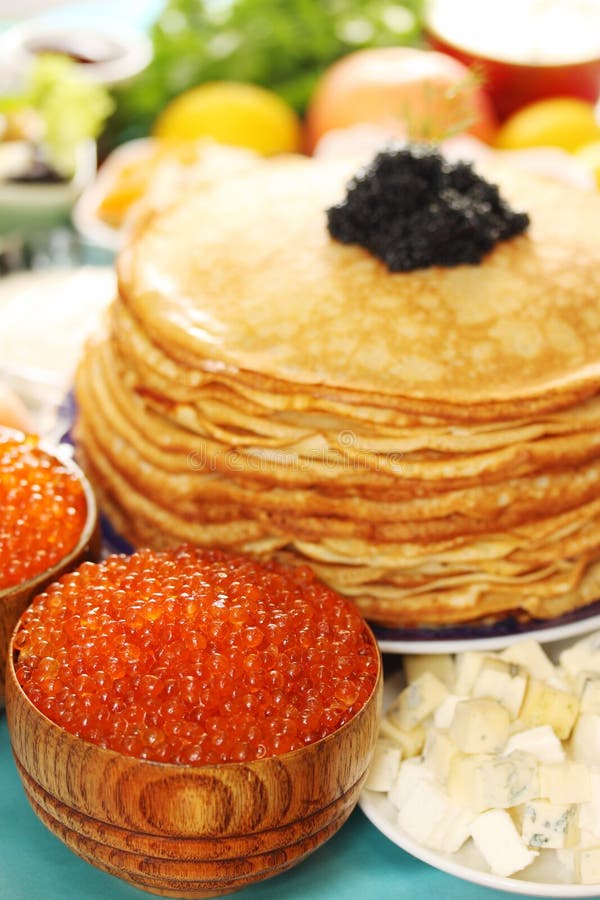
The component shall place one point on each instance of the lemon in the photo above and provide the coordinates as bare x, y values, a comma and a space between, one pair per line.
556, 122
589, 154
231, 112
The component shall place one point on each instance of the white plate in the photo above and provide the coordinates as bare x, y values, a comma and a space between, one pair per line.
487, 637
85, 214
46, 316
543, 878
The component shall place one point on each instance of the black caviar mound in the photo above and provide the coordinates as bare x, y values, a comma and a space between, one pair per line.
413, 209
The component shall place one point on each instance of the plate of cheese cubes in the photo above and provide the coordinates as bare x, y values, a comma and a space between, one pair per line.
487, 766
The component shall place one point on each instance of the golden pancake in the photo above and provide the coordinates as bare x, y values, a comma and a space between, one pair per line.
428, 441
174, 484
199, 468
245, 277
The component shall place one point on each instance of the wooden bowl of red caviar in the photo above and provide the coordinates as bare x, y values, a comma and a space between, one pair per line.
192, 721
48, 525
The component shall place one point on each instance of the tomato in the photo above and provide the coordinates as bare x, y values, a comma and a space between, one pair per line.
413, 93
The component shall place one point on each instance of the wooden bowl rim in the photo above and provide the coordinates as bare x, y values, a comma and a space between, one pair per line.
61, 453
205, 768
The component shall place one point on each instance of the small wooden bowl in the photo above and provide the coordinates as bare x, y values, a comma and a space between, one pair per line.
14, 600
189, 831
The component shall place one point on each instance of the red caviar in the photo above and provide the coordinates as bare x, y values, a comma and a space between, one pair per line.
42, 509
195, 656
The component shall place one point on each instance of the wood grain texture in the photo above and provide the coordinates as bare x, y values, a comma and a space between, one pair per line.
15, 600
185, 831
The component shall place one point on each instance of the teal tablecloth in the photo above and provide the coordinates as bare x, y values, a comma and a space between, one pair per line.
358, 863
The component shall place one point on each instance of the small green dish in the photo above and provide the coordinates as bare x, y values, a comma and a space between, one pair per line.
30, 208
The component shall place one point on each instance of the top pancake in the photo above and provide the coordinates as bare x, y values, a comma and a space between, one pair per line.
245, 277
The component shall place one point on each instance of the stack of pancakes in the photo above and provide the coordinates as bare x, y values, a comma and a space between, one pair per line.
429, 442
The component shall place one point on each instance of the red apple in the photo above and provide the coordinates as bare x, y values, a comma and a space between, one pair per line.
412, 93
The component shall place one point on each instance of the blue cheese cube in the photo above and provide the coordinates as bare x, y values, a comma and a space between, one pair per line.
529, 654
502, 681
417, 701
549, 825
565, 782
540, 742
480, 726
545, 705
385, 765
482, 782
497, 839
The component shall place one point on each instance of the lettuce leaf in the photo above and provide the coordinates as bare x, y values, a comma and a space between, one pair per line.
281, 44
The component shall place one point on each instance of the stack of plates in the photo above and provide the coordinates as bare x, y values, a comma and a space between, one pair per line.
428, 441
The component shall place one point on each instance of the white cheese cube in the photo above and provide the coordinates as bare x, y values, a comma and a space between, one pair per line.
385, 765
467, 666
502, 681
438, 753
439, 664
587, 687
545, 705
451, 832
445, 711
585, 740
549, 825
500, 844
493, 782
561, 680
479, 726
410, 742
464, 782
567, 859
588, 865
586, 838
582, 656
529, 654
417, 701
411, 772
541, 742
589, 812
431, 818
565, 782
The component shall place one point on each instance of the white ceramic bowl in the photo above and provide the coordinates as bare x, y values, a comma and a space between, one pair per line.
121, 52
29, 207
